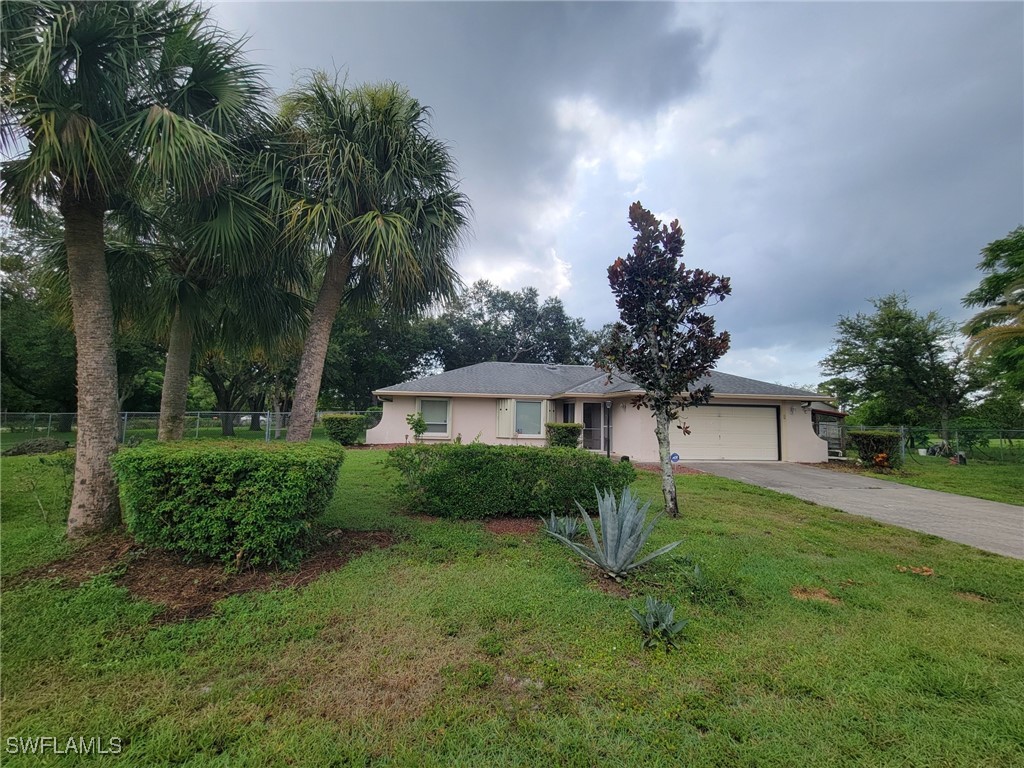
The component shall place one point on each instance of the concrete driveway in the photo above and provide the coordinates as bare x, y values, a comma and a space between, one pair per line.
986, 525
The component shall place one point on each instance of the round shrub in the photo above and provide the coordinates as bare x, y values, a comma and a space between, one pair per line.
564, 435
344, 428
234, 502
477, 481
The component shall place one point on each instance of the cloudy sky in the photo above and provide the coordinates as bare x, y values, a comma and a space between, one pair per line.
819, 154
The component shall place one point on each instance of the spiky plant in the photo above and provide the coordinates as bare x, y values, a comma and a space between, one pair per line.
567, 527
658, 624
624, 531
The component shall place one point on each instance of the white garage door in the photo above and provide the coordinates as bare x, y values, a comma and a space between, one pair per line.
730, 433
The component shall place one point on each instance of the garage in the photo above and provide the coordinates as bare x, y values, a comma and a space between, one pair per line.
729, 432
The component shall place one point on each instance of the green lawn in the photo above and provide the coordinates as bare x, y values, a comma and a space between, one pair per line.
983, 480
461, 647
9, 439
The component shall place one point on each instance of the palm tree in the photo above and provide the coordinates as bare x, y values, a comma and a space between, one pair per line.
999, 327
104, 102
379, 206
229, 281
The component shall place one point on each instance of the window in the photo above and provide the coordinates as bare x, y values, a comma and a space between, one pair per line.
529, 417
568, 412
435, 413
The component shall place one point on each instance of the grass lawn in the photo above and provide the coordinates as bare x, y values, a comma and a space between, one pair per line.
995, 482
10, 439
462, 647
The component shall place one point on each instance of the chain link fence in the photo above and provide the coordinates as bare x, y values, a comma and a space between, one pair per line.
135, 426
991, 444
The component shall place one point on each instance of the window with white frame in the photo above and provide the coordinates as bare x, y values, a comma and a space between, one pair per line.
435, 414
529, 418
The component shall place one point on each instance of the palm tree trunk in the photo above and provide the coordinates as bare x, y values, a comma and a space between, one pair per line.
174, 395
94, 501
314, 352
668, 480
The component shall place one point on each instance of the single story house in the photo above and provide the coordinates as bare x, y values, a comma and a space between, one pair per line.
511, 402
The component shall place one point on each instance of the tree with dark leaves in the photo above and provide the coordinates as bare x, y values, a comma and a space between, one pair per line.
665, 340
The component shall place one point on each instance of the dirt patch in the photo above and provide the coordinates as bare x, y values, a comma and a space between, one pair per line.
917, 570
190, 590
369, 667
973, 597
818, 594
677, 469
98, 556
610, 587
512, 526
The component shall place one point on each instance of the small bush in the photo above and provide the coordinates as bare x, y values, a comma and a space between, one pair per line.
344, 428
475, 481
878, 449
565, 435
417, 424
658, 624
234, 502
566, 527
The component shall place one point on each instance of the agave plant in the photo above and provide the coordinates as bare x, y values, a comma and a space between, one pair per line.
624, 531
566, 527
658, 624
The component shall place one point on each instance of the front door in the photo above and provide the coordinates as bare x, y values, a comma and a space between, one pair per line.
593, 426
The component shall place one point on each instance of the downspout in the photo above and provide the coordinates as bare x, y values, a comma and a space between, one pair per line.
608, 428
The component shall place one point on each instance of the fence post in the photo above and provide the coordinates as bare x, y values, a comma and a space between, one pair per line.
49, 423
903, 445
199, 415
266, 430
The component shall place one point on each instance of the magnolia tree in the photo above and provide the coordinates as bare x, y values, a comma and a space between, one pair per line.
665, 341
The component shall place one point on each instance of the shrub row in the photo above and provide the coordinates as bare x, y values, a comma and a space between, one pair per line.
344, 428
564, 435
234, 502
478, 481
878, 449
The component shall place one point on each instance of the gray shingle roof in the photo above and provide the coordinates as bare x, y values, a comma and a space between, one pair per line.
539, 380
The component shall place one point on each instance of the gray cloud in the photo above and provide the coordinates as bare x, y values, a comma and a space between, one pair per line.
820, 154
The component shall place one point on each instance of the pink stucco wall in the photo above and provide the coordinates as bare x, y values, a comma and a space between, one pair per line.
475, 418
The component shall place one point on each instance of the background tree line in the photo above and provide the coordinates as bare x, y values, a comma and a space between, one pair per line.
367, 349
897, 366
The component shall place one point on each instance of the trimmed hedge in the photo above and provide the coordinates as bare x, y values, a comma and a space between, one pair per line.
235, 502
877, 449
564, 435
344, 428
475, 481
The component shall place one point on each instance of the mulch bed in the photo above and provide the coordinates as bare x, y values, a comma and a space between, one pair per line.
190, 590
855, 468
677, 469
